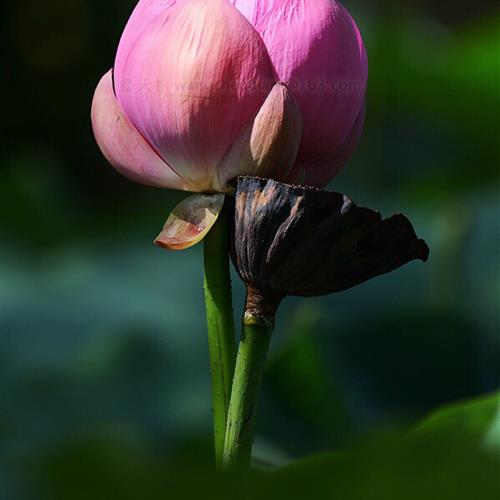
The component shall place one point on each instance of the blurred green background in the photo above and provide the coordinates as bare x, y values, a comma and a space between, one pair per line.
103, 356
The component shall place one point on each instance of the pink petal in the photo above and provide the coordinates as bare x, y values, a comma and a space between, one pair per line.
320, 173
123, 145
144, 13
276, 134
318, 52
268, 146
190, 221
192, 80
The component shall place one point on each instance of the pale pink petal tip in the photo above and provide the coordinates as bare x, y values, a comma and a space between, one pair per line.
268, 145
276, 134
190, 221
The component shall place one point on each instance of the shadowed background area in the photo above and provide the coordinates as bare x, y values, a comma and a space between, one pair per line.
103, 355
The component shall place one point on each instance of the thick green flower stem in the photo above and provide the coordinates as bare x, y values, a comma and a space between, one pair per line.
258, 323
220, 323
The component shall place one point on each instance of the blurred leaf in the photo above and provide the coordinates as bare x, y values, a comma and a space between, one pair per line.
477, 420
448, 456
386, 468
395, 468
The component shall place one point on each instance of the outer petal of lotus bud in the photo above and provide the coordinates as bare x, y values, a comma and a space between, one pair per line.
190, 221
124, 147
320, 173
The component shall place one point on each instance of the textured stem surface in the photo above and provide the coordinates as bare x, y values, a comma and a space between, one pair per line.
220, 323
250, 364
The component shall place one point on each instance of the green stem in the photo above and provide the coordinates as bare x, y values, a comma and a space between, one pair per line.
250, 364
220, 323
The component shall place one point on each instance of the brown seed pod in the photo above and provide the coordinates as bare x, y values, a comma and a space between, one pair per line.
298, 240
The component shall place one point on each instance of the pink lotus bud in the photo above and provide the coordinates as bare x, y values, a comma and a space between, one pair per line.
194, 101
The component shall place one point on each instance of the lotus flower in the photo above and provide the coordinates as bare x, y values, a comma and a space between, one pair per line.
205, 90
